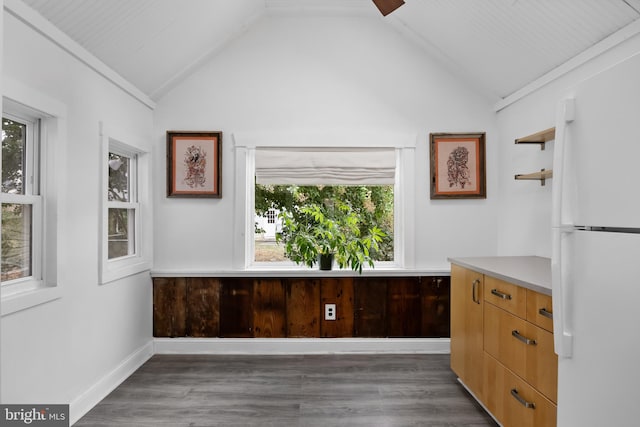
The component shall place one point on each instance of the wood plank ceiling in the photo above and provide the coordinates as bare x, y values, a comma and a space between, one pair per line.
499, 46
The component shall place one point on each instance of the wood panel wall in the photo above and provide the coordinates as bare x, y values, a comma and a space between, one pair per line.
294, 307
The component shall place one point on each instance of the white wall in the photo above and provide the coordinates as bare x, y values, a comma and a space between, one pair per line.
66, 350
525, 212
314, 74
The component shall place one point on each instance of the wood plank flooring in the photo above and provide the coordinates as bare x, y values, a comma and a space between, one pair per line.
301, 390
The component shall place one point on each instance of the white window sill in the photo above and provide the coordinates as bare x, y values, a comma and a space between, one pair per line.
116, 270
303, 272
19, 301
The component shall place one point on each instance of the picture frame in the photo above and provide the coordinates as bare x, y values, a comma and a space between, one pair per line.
194, 164
458, 168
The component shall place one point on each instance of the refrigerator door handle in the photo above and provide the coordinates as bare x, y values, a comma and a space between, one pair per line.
562, 226
560, 206
560, 284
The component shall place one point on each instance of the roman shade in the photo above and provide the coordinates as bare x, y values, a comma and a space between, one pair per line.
330, 166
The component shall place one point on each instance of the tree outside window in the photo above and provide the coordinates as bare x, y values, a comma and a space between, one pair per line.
372, 204
121, 217
17, 199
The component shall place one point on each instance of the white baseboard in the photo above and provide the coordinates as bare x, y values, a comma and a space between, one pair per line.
301, 345
91, 397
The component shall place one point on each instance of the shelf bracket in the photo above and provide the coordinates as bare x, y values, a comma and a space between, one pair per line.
541, 176
538, 138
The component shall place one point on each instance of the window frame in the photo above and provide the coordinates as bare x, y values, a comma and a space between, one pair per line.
404, 218
31, 196
19, 100
133, 204
112, 269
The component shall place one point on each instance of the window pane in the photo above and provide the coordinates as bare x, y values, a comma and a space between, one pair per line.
121, 232
16, 241
14, 136
119, 184
372, 204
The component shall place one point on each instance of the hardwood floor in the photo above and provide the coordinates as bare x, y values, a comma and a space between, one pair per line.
309, 390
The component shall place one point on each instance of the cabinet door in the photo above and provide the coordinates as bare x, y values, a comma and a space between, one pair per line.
466, 327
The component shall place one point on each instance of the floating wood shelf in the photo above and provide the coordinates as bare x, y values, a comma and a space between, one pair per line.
538, 138
539, 176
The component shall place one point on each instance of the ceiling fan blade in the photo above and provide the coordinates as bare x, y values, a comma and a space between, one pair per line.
388, 6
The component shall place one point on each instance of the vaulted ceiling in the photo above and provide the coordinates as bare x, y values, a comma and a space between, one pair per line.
500, 46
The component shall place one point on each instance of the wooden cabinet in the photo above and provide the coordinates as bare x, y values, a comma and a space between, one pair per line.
515, 361
523, 348
467, 327
277, 307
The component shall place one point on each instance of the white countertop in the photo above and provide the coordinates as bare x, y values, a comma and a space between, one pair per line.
531, 272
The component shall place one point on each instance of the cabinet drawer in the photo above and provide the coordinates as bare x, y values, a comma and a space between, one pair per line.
514, 402
499, 341
522, 347
506, 295
539, 310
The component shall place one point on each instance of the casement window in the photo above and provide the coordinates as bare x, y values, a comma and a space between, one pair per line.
22, 201
125, 197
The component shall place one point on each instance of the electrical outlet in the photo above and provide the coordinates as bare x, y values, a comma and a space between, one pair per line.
329, 312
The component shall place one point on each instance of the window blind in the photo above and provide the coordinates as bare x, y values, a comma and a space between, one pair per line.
335, 166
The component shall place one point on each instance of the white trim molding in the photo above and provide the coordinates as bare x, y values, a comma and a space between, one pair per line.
105, 385
140, 175
52, 113
346, 138
276, 346
594, 51
38, 23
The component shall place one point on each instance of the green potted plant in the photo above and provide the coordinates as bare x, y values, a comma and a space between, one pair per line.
320, 234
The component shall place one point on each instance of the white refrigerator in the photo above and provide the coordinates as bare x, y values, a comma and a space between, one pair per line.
596, 250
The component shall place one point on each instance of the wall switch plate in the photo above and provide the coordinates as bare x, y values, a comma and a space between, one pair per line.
329, 312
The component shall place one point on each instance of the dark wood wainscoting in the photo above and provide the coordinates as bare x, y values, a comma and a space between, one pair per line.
242, 307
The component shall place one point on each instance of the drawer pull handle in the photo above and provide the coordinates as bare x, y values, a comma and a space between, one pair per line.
523, 402
474, 291
500, 294
524, 339
544, 312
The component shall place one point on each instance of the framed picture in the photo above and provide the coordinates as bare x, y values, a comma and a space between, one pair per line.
458, 166
194, 164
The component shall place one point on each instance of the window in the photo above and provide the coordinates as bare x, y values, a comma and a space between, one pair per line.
124, 250
33, 144
288, 179
271, 216
387, 154
122, 205
373, 204
21, 201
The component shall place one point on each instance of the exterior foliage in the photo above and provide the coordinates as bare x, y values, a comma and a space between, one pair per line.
353, 223
371, 205
335, 230
16, 218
